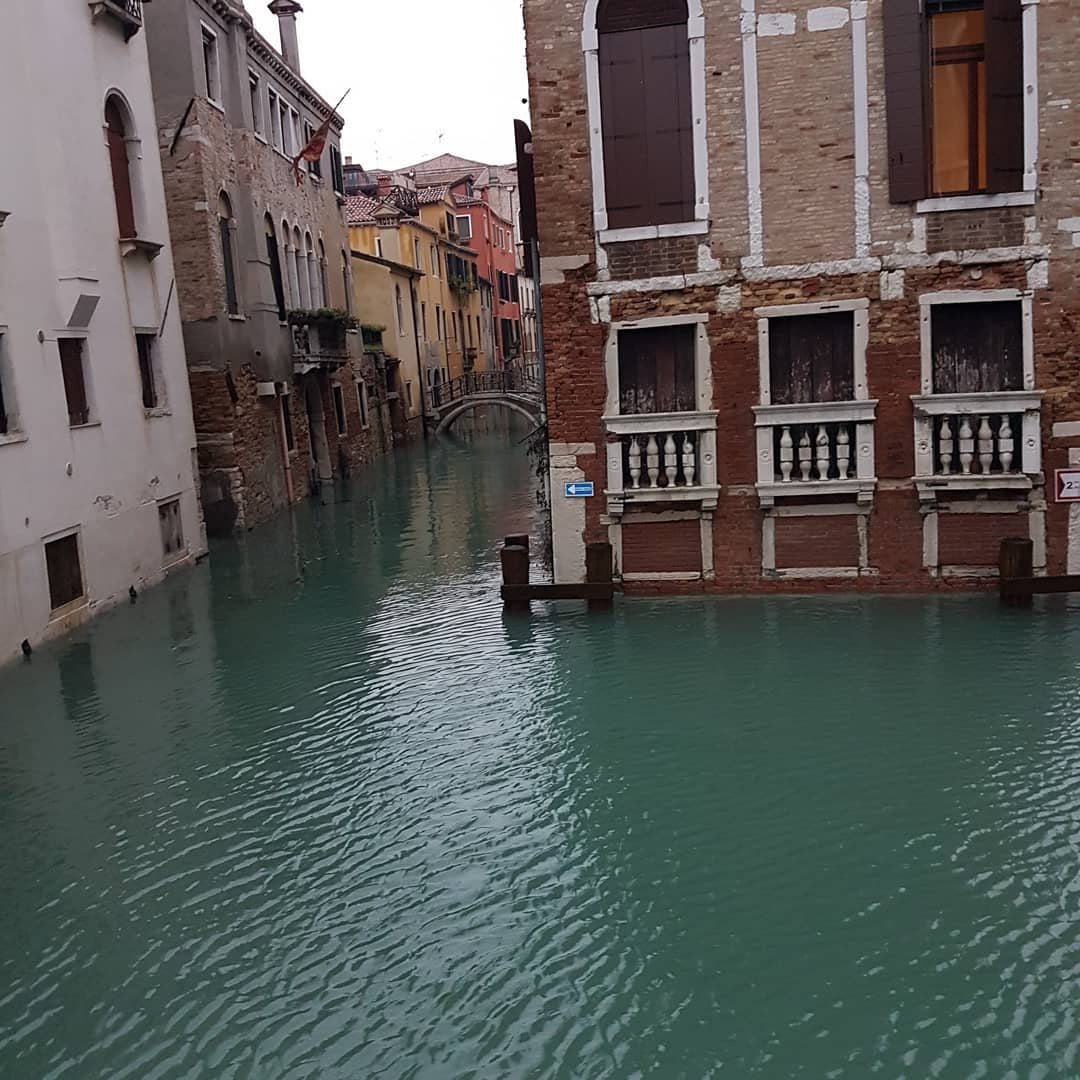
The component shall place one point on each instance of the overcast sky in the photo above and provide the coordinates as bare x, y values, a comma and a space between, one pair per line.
428, 77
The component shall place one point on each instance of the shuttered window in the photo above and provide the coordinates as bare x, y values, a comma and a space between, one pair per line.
812, 358
121, 172
644, 60
145, 344
977, 348
954, 97
228, 262
656, 370
64, 571
71, 368
274, 258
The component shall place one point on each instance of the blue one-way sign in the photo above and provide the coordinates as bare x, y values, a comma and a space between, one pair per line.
580, 490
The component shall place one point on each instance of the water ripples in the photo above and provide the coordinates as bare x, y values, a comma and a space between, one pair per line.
320, 810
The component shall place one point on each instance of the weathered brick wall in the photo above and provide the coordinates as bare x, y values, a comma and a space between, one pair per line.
805, 121
975, 539
817, 541
650, 546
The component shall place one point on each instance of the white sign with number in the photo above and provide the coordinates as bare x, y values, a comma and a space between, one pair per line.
1068, 485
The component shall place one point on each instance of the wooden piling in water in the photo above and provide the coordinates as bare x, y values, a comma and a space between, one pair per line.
515, 572
599, 566
517, 592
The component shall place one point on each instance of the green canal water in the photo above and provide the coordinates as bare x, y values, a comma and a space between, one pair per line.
317, 809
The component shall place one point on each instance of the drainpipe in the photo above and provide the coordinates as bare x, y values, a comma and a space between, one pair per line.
424, 404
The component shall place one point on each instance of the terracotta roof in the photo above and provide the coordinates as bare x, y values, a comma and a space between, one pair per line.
433, 194
360, 210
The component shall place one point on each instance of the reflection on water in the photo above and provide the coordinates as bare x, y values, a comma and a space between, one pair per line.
318, 809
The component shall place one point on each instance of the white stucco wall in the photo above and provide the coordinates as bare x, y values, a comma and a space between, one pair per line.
60, 242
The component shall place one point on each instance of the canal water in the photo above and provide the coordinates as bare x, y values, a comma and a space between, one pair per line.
317, 809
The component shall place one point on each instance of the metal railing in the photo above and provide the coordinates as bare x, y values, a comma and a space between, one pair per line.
525, 381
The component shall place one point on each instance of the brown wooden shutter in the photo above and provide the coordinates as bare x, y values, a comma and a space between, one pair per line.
121, 177
616, 15
812, 358
275, 274
977, 348
622, 111
905, 98
668, 123
71, 368
1004, 95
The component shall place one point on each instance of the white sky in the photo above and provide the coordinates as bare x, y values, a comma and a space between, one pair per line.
428, 77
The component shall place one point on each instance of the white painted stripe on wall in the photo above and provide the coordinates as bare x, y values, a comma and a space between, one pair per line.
862, 128
748, 28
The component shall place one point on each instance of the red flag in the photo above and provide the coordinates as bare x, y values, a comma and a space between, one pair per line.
313, 151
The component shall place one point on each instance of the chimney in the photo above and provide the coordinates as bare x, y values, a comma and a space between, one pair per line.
286, 12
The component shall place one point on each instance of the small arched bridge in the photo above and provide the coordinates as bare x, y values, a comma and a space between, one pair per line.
517, 389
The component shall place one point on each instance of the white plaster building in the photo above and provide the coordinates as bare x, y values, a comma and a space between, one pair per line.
96, 435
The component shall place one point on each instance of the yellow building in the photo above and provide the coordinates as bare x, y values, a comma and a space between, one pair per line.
416, 231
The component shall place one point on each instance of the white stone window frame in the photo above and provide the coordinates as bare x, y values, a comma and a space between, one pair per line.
79, 602
590, 47
861, 410
208, 31
928, 403
1029, 29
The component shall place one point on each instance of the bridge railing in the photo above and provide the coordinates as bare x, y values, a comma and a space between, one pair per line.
524, 380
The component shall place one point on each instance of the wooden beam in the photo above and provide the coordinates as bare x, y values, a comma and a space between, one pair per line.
519, 593
1066, 583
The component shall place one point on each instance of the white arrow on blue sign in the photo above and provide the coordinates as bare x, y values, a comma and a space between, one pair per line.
580, 490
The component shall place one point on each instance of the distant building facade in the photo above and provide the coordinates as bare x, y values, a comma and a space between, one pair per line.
96, 437
261, 262
811, 324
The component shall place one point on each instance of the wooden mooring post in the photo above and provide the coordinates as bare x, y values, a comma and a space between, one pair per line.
1018, 583
517, 591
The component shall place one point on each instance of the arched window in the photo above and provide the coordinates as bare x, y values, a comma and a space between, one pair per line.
303, 299
118, 132
641, 60
400, 311
345, 281
324, 287
273, 257
228, 261
290, 265
312, 271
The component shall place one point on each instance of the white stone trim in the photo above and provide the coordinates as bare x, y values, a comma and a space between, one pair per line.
862, 115
825, 412
776, 24
945, 203
1066, 429
663, 575
1030, 35
653, 232
590, 45
779, 311
818, 573
748, 29
708, 569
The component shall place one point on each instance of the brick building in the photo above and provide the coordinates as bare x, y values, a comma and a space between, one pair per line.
284, 396
809, 284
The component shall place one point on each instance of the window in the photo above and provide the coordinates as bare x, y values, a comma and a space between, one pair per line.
211, 68
64, 571
362, 400
955, 103
255, 96
504, 286
514, 295
73, 370
339, 408
453, 326
399, 311
172, 532
300, 278
274, 259
438, 322
297, 143
286, 423
451, 225
314, 168
460, 331
145, 345
812, 358
275, 119
977, 348
506, 327
335, 170
228, 262
285, 124
117, 129
445, 336
416, 254
314, 278
656, 370
378, 247
408, 396
346, 282
324, 285
434, 260
423, 319
6, 420
464, 227
642, 71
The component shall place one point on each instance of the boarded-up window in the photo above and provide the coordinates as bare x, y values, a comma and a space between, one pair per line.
172, 532
954, 88
74, 375
121, 171
145, 345
64, 570
656, 370
812, 358
977, 348
644, 59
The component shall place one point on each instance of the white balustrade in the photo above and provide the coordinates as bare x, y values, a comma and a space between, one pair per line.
661, 455
985, 443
